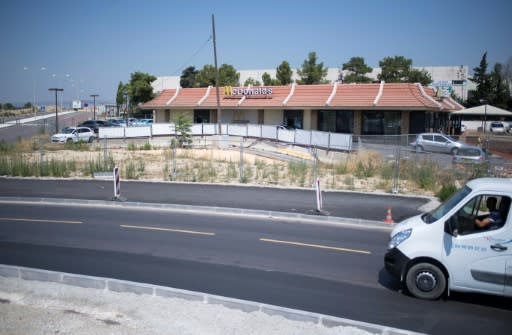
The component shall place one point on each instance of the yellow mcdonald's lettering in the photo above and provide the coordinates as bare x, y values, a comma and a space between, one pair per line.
228, 90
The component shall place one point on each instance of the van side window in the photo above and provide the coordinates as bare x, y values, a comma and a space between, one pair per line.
476, 208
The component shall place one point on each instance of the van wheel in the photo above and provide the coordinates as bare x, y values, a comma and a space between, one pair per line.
425, 281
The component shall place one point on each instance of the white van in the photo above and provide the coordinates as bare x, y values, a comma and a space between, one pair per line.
445, 250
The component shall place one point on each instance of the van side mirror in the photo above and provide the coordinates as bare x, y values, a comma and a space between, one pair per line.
451, 227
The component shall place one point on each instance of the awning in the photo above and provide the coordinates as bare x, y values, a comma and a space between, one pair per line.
483, 110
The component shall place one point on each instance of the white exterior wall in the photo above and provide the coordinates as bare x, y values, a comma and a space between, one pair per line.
238, 115
273, 117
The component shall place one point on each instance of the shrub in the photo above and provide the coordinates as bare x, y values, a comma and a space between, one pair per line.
446, 191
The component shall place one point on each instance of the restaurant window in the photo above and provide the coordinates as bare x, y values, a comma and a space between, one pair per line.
336, 121
293, 119
201, 116
381, 123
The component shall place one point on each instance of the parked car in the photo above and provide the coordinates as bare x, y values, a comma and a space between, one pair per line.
497, 127
436, 142
94, 124
469, 155
74, 134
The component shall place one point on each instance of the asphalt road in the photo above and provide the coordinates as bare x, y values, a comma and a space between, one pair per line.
320, 268
363, 206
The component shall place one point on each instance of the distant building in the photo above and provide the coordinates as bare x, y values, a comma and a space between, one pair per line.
446, 79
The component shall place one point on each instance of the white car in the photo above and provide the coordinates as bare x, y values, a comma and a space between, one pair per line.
497, 127
74, 134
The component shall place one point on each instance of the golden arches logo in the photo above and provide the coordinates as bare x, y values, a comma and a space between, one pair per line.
228, 90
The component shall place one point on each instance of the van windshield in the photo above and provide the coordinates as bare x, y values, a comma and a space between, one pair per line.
445, 207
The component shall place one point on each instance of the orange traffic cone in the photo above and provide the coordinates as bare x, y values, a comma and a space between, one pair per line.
389, 218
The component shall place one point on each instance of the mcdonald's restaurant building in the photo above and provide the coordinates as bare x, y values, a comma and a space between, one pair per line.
359, 109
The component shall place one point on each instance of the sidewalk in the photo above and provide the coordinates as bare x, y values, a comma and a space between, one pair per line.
45, 305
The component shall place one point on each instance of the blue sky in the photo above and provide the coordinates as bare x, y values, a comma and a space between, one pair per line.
88, 47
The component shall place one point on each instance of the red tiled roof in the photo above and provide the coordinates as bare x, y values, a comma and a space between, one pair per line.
189, 97
161, 99
401, 96
355, 95
405, 95
309, 96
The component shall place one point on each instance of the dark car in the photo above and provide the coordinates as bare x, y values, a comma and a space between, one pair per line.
94, 124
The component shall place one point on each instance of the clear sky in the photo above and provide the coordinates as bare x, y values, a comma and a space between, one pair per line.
89, 46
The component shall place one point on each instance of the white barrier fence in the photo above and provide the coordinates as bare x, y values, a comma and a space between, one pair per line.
316, 138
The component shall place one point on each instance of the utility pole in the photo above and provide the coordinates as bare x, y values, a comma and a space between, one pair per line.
219, 110
94, 103
56, 107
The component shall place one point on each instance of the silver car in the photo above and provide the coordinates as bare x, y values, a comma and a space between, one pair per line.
470, 155
435, 142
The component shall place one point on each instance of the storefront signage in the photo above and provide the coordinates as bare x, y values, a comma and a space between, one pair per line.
247, 92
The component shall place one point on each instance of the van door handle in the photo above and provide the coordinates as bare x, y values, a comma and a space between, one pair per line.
498, 247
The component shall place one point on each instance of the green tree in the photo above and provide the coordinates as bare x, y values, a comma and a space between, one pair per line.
252, 82
357, 70
482, 81
268, 80
140, 88
27, 105
9, 106
395, 69
227, 76
183, 125
312, 73
284, 73
499, 95
120, 98
419, 76
188, 77
206, 76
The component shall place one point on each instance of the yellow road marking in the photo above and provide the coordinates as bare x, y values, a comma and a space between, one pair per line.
319, 246
170, 230
39, 220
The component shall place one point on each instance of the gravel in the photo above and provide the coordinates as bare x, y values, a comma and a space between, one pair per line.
34, 307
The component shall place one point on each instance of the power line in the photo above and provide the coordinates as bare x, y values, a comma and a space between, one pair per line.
191, 57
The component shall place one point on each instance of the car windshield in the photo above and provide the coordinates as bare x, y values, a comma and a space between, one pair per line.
68, 130
445, 207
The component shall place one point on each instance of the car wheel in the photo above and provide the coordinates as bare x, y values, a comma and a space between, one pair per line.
425, 281
419, 148
69, 140
91, 139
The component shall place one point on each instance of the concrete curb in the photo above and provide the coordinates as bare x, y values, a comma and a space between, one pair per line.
122, 286
326, 219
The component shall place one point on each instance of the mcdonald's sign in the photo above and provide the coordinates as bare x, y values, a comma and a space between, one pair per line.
230, 91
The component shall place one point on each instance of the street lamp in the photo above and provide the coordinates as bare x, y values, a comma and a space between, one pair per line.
484, 101
56, 107
94, 103
34, 108
127, 98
